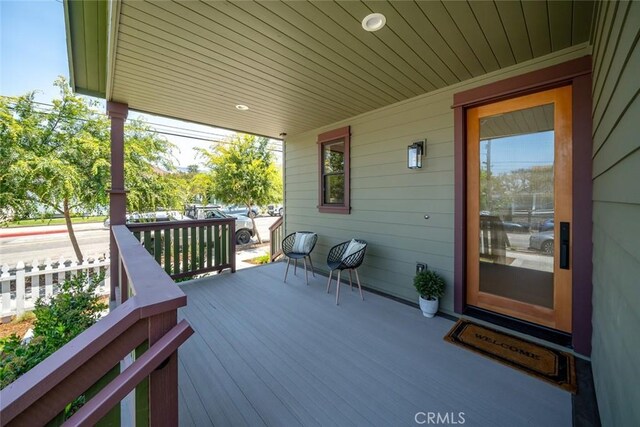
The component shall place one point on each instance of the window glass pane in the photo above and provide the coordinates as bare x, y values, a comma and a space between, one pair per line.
334, 189
333, 157
517, 205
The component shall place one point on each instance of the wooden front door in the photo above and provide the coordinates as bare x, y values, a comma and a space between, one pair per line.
519, 207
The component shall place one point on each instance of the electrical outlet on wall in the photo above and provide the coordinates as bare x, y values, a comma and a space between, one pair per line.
420, 267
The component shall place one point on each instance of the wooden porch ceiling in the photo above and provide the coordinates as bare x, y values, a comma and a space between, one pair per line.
301, 65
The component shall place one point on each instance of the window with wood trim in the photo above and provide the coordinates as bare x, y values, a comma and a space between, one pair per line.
333, 170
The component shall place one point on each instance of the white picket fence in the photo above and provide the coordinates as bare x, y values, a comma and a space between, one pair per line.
22, 286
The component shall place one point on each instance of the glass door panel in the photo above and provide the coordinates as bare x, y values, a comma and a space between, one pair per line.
516, 201
519, 189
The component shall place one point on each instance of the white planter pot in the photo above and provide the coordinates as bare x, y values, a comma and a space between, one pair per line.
429, 307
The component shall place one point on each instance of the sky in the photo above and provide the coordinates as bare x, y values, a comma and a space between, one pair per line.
518, 152
33, 53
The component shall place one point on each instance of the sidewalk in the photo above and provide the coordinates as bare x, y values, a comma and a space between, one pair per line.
248, 253
46, 229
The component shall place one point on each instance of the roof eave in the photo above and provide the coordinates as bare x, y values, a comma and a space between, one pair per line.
84, 63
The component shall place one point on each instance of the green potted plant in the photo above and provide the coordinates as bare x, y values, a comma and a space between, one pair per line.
430, 286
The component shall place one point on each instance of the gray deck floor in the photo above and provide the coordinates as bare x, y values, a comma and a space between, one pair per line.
270, 353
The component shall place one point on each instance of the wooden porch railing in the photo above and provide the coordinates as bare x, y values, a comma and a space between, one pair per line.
185, 248
276, 234
93, 363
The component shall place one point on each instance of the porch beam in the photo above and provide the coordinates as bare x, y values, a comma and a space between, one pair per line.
117, 195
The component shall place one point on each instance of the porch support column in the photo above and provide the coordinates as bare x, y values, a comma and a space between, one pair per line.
117, 196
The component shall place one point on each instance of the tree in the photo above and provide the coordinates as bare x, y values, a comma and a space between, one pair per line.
58, 158
196, 187
244, 173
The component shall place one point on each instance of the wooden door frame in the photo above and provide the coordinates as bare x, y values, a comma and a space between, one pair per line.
558, 317
576, 73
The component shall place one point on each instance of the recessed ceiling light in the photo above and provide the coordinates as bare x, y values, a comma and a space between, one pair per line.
242, 107
374, 21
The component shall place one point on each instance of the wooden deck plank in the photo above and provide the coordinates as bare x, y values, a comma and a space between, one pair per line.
272, 379
382, 394
290, 355
224, 401
257, 385
310, 346
189, 400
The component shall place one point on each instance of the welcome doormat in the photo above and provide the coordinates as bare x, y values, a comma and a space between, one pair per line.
553, 366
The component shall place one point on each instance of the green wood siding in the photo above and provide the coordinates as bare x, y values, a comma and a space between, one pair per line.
616, 213
388, 200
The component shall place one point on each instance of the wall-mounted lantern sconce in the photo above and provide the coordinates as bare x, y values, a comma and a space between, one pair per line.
415, 152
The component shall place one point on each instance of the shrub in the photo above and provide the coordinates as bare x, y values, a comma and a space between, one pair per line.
58, 321
259, 260
429, 284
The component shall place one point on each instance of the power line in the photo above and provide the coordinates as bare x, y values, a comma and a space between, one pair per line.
98, 113
210, 137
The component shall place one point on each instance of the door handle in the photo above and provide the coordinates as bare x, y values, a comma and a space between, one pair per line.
565, 238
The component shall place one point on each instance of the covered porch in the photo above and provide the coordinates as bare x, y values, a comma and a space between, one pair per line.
270, 353
266, 352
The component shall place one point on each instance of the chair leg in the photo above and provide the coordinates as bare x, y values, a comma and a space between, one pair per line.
350, 282
359, 287
329, 282
287, 270
306, 276
295, 266
311, 262
338, 287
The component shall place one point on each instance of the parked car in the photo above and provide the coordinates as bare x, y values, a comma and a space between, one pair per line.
241, 210
515, 227
244, 225
542, 241
547, 225
509, 226
158, 216
275, 210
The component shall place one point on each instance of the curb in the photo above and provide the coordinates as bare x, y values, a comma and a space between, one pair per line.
31, 233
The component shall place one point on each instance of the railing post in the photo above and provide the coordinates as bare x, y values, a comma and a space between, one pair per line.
117, 195
163, 382
123, 284
275, 238
232, 245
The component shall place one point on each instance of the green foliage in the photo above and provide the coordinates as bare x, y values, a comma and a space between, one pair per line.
147, 167
55, 221
24, 317
259, 260
58, 321
53, 156
429, 284
59, 158
516, 189
197, 187
244, 172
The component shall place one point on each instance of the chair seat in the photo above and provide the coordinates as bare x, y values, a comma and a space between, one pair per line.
334, 265
296, 255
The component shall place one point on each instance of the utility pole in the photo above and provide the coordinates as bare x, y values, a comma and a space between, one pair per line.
489, 183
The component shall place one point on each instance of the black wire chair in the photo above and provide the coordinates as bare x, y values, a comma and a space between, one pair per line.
287, 250
335, 261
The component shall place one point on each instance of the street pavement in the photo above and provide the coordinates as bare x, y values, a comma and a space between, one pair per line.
52, 242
